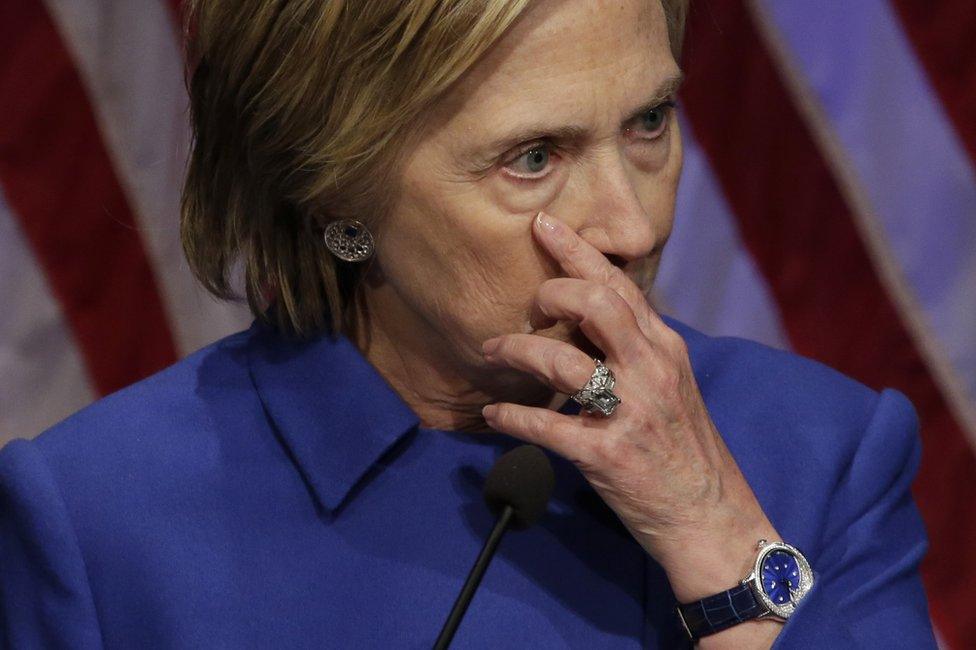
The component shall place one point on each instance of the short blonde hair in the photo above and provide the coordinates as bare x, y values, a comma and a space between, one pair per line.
300, 110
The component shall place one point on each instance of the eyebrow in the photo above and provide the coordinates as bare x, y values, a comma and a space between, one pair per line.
574, 132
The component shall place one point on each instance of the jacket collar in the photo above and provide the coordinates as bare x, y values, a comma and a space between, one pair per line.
334, 411
332, 408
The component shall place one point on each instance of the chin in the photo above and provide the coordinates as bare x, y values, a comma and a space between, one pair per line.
643, 272
520, 387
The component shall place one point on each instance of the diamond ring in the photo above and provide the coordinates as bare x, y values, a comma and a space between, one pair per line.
597, 394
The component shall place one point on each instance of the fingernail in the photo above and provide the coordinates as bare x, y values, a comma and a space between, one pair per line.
490, 345
488, 411
549, 224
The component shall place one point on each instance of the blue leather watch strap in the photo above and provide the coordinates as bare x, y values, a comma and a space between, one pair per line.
723, 610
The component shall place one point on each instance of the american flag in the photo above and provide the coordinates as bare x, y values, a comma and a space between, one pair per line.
828, 206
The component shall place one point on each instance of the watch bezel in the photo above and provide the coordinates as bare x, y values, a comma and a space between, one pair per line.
755, 579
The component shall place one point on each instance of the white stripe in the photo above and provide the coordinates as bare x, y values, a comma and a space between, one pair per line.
128, 55
44, 378
917, 184
936, 230
708, 278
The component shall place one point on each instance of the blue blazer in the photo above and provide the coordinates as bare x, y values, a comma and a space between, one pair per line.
265, 493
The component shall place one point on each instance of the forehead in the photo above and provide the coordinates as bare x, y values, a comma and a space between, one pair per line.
572, 60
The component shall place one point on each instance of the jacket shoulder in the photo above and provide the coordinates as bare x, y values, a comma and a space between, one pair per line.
801, 431
749, 376
168, 417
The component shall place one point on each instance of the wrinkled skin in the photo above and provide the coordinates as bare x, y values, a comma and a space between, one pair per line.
475, 301
457, 258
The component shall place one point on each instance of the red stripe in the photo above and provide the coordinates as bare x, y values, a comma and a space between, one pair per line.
176, 10
802, 234
943, 34
59, 181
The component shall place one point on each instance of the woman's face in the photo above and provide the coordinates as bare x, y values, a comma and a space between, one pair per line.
569, 114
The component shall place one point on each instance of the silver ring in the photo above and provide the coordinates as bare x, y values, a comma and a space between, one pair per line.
597, 394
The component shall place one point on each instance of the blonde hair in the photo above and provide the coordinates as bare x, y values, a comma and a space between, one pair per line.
300, 111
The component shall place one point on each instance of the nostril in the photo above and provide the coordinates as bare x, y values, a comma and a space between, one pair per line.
616, 260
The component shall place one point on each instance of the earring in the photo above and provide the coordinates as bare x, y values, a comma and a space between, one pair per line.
349, 240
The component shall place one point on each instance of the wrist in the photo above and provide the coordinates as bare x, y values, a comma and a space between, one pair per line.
779, 580
714, 558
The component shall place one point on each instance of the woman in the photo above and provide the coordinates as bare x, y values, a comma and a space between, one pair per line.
448, 214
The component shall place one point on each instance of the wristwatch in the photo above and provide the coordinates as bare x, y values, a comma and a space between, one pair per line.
780, 578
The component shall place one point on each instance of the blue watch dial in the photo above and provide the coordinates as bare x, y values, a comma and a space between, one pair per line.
780, 577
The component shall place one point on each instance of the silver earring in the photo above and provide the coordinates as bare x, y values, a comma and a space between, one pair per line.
349, 240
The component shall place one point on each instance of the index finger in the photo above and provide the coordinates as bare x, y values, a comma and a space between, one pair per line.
582, 260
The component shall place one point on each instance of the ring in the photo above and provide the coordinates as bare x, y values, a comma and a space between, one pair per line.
597, 394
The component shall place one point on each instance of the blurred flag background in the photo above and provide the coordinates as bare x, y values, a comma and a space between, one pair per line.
828, 206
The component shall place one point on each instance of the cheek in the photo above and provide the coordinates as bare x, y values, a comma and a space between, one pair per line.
659, 187
672, 171
526, 197
464, 263
498, 276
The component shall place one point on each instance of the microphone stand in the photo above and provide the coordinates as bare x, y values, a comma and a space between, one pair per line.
474, 579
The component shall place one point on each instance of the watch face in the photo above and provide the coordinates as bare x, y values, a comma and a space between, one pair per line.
781, 578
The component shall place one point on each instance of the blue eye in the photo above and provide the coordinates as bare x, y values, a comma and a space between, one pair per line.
536, 159
653, 119
532, 163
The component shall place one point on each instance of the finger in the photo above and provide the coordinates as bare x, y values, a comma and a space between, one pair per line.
582, 260
603, 315
556, 363
558, 432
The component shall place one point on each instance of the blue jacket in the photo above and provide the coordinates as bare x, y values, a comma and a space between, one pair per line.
264, 493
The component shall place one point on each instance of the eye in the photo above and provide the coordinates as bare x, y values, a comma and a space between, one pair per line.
531, 163
655, 121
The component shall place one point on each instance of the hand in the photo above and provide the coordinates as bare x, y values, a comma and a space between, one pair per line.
658, 461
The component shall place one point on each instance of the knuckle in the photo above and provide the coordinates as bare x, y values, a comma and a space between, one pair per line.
546, 291
504, 347
552, 364
509, 346
552, 358
539, 424
502, 416
510, 419
669, 380
674, 342
643, 353
573, 246
546, 286
571, 368
537, 429
606, 452
600, 271
611, 275
602, 297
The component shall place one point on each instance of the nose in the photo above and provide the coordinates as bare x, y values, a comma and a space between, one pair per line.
618, 222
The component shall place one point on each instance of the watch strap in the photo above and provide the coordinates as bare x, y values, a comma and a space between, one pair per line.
720, 611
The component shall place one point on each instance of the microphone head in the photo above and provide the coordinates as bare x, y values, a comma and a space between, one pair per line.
523, 479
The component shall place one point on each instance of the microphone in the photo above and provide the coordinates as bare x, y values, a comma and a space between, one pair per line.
517, 489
